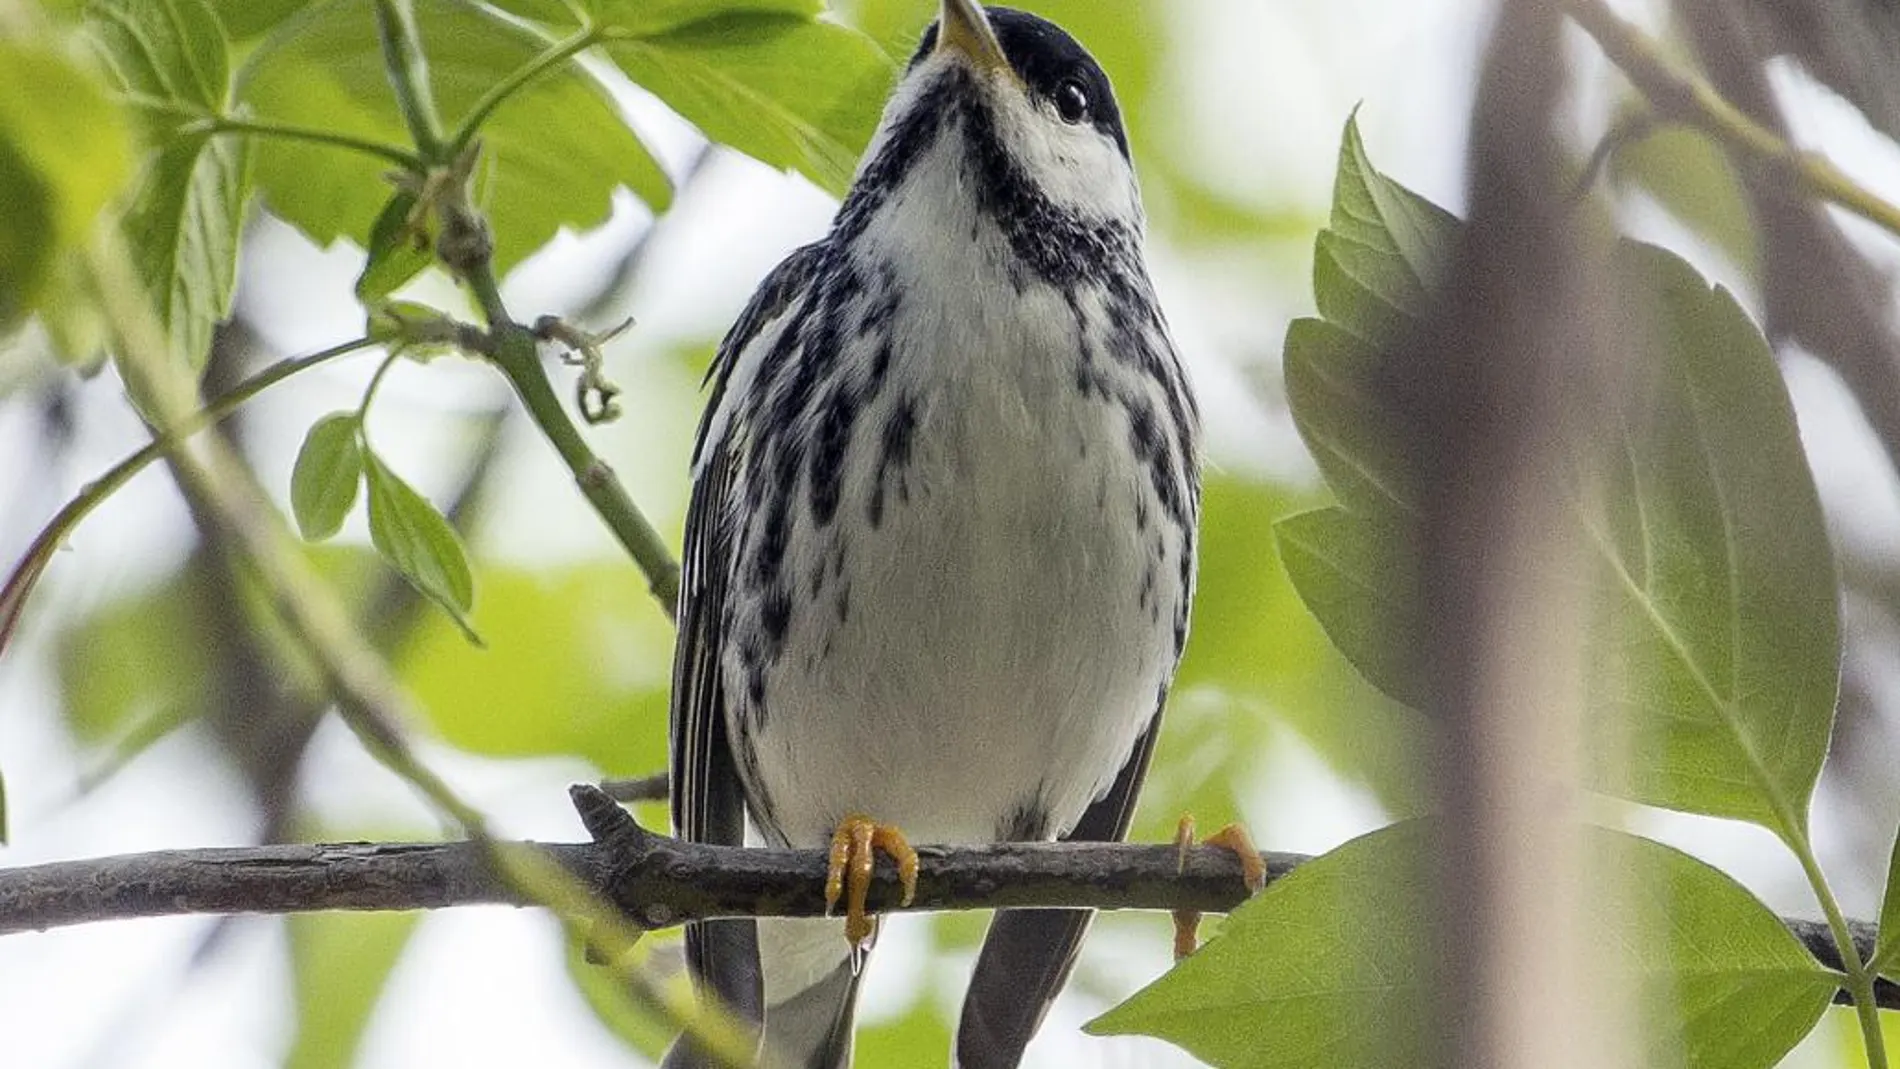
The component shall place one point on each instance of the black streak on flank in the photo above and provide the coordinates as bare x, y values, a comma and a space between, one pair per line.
752, 657
1187, 582
900, 432
792, 277
840, 411
776, 614
768, 556
1144, 439
1027, 822
881, 311
1090, 379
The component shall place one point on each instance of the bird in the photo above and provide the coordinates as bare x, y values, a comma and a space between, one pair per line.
940, 544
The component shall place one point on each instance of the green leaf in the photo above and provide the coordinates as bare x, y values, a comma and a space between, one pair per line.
554, 12
1373, 267
1715, 642
787, 90
246, 19
640, 17
554, 152
328, 472
414, 538
1695, 181
1332, 965
185, 223
115, 704
65, 157
170, 53
1373, 212
1721, 982
1354, 575
340, 963
578, 663
635, 1025
398, 252
1887, 951
655, 16
30, 240
1329, 378
1719, 658
1326, 967
186, 226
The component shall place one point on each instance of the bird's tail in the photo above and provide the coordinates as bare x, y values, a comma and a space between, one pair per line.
811, 993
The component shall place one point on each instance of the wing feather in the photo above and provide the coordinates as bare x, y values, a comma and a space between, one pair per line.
706, 796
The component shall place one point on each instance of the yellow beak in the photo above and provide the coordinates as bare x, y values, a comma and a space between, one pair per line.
963, 28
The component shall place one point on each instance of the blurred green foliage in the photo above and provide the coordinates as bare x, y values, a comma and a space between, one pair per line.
577, 662
66, 155
1690, 177
341, 962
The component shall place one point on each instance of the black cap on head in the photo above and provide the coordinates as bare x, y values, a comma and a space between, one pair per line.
1052, 65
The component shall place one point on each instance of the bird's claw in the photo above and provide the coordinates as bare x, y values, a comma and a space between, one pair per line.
854, 849
1253, 869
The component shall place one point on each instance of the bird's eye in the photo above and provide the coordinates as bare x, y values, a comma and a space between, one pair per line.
1072, 101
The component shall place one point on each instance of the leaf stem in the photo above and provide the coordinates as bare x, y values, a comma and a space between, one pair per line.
1860, 978
1788, 823
1679, 95
226, 125
517, 353
519, 358
375, 384
26, 573
197, 121
501, 91
408, 69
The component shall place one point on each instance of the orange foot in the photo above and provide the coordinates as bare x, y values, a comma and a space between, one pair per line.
1253, 869
853, 856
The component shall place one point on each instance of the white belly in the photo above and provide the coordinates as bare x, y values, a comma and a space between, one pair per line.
994, 647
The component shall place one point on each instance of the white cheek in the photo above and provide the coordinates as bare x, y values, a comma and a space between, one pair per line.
1069, 162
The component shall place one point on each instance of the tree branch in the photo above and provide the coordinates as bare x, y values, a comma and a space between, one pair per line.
1687, 98
655, 880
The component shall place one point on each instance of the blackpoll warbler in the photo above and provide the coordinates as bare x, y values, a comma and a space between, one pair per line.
941, 541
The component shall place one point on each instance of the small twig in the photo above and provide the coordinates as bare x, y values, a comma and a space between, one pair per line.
1682, 96
465, 245
516, 351
1629, 130
595, 395
499, 93
649, 789
408, 70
